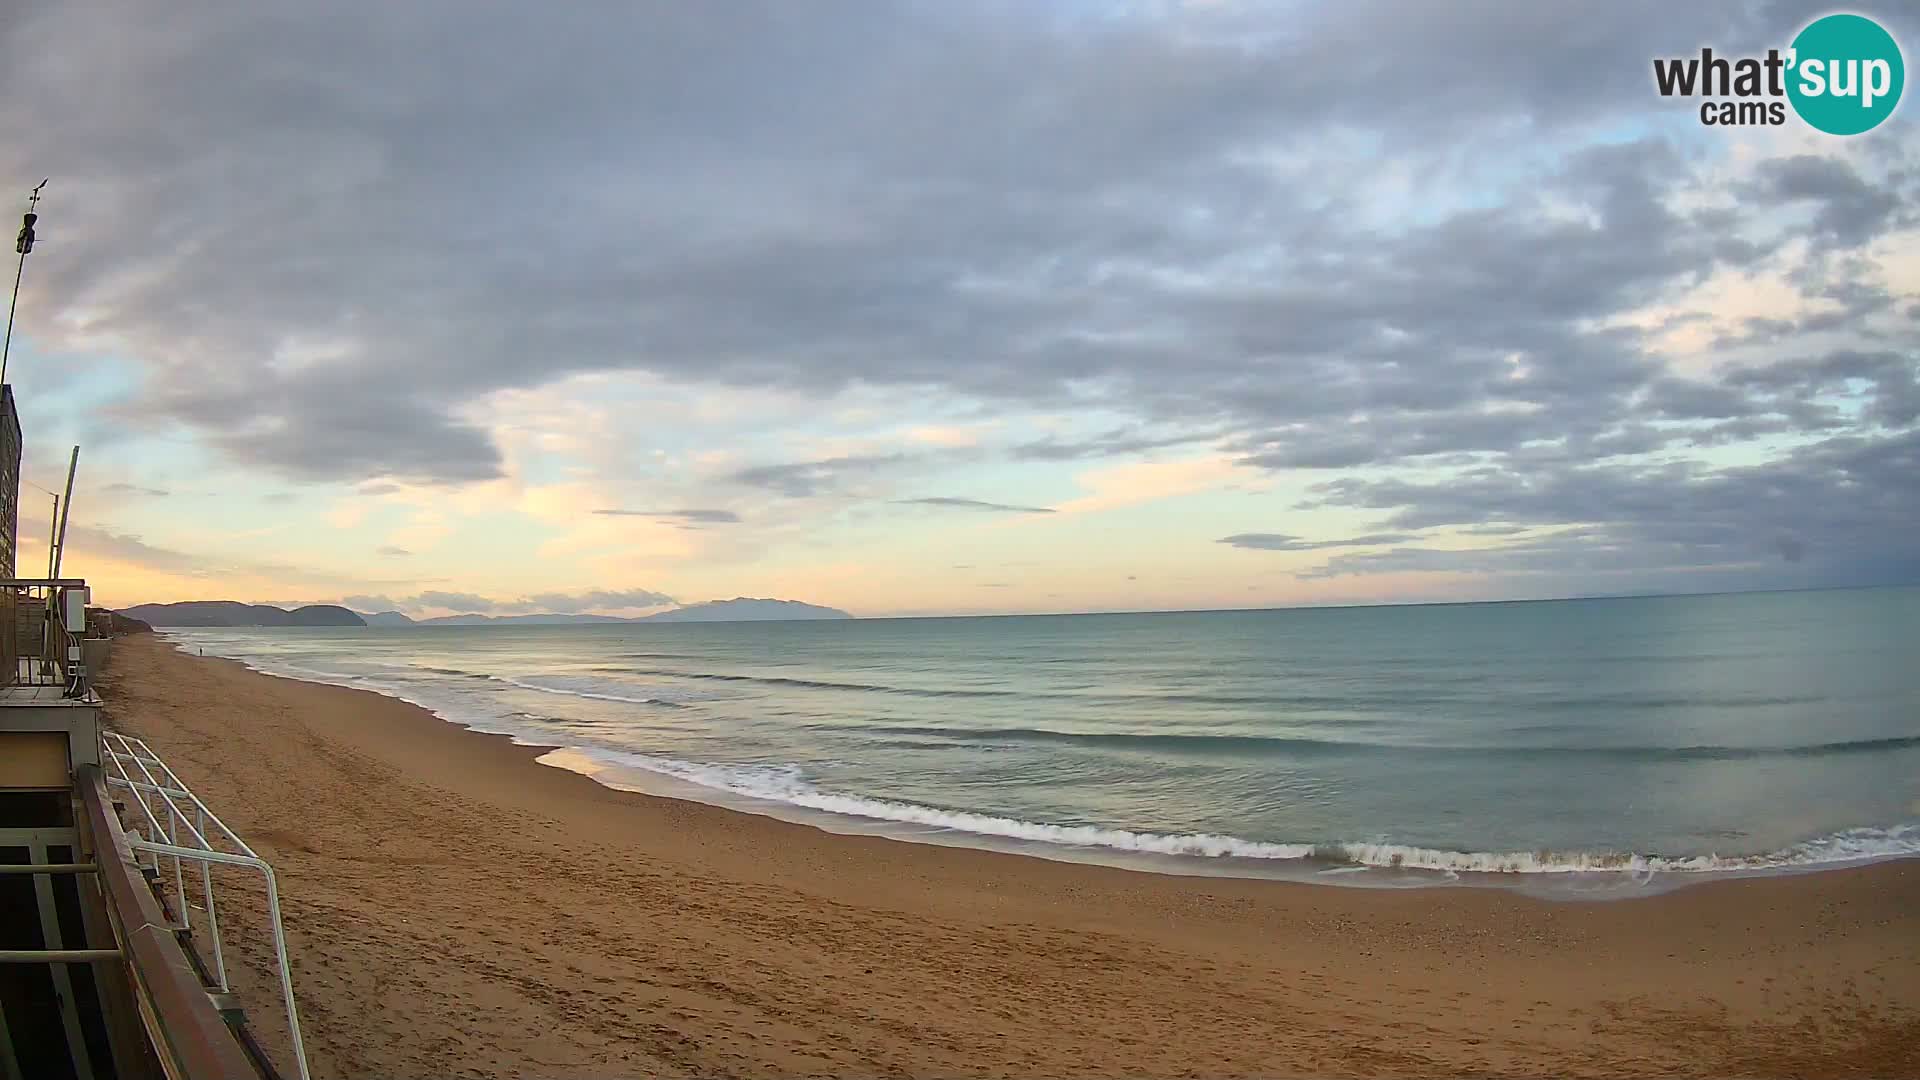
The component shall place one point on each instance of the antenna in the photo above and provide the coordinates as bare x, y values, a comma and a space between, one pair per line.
66, 511
23, 244
53, 536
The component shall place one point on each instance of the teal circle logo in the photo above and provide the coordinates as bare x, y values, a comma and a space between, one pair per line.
1846, 75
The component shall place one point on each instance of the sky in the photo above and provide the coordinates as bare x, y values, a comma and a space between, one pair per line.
947, 308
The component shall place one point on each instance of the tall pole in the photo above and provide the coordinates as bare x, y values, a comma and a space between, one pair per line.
23, 246
6, 347
66, 511
53, 535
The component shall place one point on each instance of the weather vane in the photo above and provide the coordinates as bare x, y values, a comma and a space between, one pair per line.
23, 244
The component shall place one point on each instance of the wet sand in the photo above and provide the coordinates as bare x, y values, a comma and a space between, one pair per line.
456, 909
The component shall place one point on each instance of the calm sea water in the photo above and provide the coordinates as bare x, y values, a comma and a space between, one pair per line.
1650, 737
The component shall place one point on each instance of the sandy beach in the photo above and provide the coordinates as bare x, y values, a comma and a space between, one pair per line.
456, 909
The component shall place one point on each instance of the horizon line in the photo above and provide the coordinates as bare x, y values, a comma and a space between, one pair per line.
1075, 614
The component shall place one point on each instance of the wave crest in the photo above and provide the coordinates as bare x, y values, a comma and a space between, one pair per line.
1200, 742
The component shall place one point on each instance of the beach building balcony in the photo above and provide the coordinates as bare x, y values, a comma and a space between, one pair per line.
43, 643
111, 957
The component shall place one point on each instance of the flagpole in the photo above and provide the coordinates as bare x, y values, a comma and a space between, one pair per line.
24, 245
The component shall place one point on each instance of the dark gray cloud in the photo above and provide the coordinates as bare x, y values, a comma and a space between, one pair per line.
1283, 542
800, 479
1363, 236
333, 429
974, 504
1850, 211
703, 517
134, 489
1884, 388
1841, 511
1109, 444
904, 194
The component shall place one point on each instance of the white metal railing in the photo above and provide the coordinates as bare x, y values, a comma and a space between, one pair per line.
171, 809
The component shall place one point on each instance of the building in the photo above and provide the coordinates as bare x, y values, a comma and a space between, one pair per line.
9, 482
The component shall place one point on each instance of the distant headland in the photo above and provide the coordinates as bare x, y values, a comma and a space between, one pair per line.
192, 613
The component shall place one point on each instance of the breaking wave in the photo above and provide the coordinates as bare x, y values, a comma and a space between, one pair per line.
593, 694
787, 785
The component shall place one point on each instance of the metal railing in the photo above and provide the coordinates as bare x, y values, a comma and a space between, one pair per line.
38, 647
173, 812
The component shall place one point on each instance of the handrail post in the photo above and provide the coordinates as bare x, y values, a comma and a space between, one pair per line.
286, 970
213, 920
179, 875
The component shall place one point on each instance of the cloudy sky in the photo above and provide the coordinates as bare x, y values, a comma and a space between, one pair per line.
950, 307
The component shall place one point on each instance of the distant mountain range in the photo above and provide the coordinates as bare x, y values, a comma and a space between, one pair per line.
232, 613
739, 609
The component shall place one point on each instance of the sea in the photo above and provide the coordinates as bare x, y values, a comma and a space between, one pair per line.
1599, 747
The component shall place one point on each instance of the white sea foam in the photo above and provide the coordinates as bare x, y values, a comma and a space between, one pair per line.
1851, 845
785, 784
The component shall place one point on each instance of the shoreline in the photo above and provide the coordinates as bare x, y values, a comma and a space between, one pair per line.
1639, 877
455, 908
